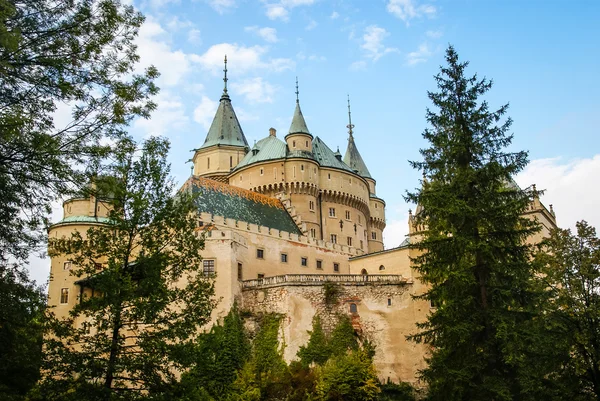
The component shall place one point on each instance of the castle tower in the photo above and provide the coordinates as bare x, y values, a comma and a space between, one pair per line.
299, 138
376, 205
79, 214
225, 144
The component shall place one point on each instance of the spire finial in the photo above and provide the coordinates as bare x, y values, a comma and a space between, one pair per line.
225, 79
297, 92
350, 126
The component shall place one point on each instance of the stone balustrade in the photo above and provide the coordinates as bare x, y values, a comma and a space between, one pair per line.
320, 279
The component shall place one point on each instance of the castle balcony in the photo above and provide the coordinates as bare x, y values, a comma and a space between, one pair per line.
320, 279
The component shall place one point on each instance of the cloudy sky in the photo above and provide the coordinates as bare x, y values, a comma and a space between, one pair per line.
544, 58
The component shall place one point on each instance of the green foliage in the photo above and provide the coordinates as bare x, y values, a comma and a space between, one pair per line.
321, 347
317, 349
347, 377
569, 266
22, 307
332, 292
151, 300
396, 392
221, 353
77, 59
474, 254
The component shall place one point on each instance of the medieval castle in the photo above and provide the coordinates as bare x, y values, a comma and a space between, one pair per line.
283, 218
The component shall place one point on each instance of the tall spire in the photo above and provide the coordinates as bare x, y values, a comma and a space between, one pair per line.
225, 94
298, 123
225, 128
352, 157
350, 126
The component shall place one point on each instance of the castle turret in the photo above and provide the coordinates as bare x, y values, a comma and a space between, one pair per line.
299, 138
225, 144
376, 205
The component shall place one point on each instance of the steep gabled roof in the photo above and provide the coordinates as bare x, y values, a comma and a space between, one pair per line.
353, 159
239, 204
298, 123
225, 128
326, 157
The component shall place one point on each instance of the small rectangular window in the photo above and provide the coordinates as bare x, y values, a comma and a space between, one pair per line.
361, 244
347, 214
240, 272
311, 205
230, 161
261, 171
329, 176
331, 212
359, 219
67, 265
302, 167
260, 253
208, 163
336, 267
304, 261
320, 264
389, 301
349, 241
333, 239
373, 235
284, 258
64, 295
313, 232
208, 267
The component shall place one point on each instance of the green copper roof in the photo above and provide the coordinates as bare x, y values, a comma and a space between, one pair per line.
239, 204
298, 123
326, 157
353, 159
83, 219
225, 128
272, 148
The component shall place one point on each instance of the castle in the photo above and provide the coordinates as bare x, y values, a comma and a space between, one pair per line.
283, 218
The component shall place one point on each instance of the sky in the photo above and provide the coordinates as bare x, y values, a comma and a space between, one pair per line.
543, 57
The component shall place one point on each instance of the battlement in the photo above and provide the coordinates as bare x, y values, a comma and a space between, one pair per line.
320, 279
221, 225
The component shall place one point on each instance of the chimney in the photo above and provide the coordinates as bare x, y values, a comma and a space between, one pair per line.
272, 131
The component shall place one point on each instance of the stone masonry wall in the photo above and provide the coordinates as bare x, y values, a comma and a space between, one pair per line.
383, 315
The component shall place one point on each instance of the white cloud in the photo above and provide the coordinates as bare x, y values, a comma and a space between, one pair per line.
154, 49
266, 33
161, 3
241, 59
244, 115
281, 9
194, 36
255, 90
373, 42
395, 231
312, 24
175, 23
204, 113
419, 56
407, 10
334, 15
168, 116
358, 65
314, 57
222, 6
277, 12
568, 186
434, 34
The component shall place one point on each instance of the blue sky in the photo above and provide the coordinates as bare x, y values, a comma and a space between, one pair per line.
543, 56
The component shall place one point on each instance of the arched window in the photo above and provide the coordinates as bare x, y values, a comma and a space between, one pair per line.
382, 267
363, 271
353, 308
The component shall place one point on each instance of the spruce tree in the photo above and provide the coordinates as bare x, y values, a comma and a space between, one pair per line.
128, 338
472, 248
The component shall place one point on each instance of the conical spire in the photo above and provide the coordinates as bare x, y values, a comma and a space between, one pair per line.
225, 128
298, 124
352, 157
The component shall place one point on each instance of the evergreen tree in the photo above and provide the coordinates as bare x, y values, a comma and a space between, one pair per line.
22, 306
71, 58
570, 267
473, 252
131, 336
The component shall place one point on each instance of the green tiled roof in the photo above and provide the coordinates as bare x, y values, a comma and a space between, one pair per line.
353, 159
269, 148
239, 204
225, 128
326, 157
298, 123
83, 219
